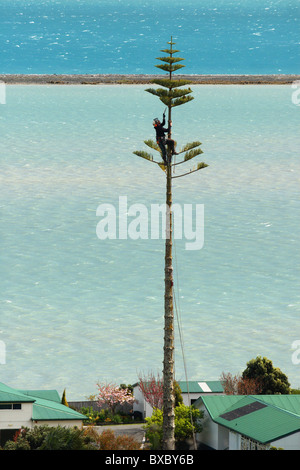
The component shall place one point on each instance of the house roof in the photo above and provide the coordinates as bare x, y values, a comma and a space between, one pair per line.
46, 404
46, 394
210, 386
264, 418
8, 394
48, 410
201, 386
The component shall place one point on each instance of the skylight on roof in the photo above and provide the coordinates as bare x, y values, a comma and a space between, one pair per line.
204, 386
243, 410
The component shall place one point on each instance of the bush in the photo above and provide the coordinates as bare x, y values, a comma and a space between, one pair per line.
109, 441
21, 444
187, 422
60, 438
50, 438
92, 415
64, 439
104, 417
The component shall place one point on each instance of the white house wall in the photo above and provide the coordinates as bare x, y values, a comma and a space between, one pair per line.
140, 404
209, 434
223, 438
234, 441
291, 442
15, 419
188, 398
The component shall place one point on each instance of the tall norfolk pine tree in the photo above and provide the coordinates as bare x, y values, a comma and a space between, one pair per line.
171, 95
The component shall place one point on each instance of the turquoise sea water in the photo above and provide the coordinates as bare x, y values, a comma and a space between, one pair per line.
75, 309
124, 36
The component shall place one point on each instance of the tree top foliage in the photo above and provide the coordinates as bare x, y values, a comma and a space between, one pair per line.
171, 97
171, 93
272, 379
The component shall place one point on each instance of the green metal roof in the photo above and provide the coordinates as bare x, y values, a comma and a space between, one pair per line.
46, 404
47, 410
10, 395
204, 386
280, 415
46, 394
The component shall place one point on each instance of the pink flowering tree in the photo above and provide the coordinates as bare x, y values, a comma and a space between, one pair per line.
112, 395
152, 389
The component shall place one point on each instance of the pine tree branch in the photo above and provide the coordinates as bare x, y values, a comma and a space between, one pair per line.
192, 154
173, 93
153, 91
167, 97
148, 156
190, 146
183, 100
170, 68
170, 60
162, 166
169, 51
169, 94
179, 93
199, 167
142, 154
167, 83
153, 145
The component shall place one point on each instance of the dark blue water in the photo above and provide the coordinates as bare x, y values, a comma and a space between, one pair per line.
125, 36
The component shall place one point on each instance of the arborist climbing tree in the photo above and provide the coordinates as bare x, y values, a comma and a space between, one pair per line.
161, 138
171, 95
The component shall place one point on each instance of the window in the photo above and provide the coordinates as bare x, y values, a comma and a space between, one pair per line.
10, 406
249, 444
5, 406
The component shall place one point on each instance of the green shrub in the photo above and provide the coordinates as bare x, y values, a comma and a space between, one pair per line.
21, 444
64, 439
50, 438
104, 416
92, 415
187, 422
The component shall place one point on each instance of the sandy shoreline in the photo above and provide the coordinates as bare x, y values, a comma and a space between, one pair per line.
119, 79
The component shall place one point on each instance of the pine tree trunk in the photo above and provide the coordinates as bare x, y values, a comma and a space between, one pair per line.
168, 371
170, 97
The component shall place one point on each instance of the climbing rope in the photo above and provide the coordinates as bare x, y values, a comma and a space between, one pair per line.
178, 318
